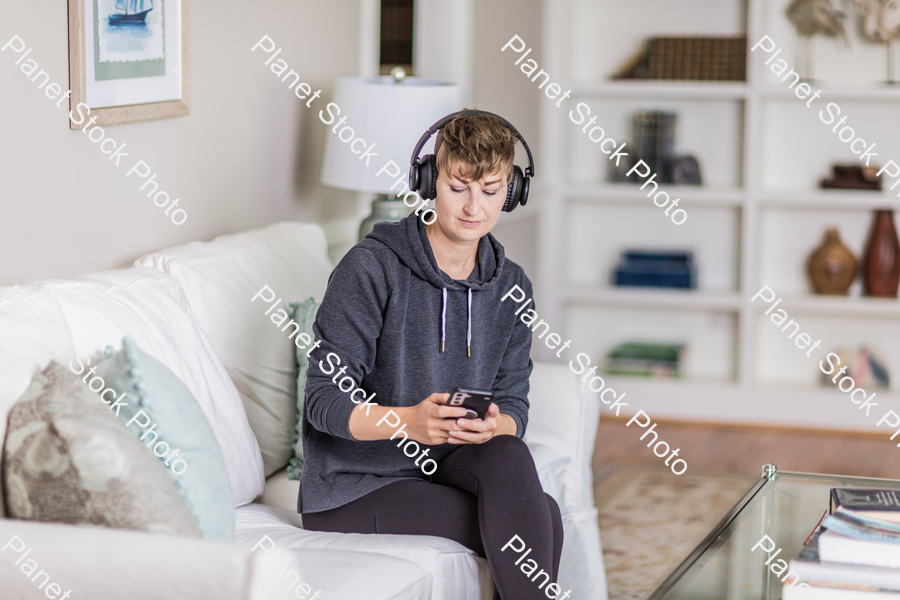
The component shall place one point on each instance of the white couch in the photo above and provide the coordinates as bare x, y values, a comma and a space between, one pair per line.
190, 308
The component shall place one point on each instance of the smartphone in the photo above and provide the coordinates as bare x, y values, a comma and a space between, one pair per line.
476, 402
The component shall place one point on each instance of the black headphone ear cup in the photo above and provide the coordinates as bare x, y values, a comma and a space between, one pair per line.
421, 174
414, 176
428, 175
514, 189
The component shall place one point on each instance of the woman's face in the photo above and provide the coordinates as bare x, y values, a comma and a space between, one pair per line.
467, 210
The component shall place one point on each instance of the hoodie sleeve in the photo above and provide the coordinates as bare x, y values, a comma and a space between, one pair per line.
511, 384
348, 324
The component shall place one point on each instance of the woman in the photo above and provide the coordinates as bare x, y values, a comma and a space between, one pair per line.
411, 313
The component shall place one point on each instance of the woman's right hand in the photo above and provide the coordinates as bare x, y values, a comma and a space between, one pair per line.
430, 421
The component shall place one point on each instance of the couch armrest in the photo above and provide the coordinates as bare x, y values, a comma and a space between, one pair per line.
562, 428
562, 424
99, 563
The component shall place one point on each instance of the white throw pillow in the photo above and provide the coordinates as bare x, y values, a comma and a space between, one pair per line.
99, 310
33, 331
219, 279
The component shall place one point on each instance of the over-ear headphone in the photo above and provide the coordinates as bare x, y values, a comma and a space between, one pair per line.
423, 171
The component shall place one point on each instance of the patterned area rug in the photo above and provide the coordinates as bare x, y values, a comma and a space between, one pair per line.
650, 521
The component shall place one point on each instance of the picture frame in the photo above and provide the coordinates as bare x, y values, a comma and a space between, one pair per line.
128, 61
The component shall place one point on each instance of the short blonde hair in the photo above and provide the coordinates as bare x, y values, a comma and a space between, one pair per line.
478, 145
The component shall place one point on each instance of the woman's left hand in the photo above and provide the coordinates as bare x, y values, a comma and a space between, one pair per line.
478, 431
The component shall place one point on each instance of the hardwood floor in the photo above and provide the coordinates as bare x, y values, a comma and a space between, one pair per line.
734, 449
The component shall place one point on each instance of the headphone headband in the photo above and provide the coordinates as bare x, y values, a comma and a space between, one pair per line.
529, 172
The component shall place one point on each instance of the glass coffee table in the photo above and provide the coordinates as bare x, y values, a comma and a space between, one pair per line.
785, 506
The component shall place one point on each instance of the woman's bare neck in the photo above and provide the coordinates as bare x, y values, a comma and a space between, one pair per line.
453, 258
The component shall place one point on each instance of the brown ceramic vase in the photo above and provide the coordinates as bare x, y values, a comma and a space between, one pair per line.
831, 266
881, 272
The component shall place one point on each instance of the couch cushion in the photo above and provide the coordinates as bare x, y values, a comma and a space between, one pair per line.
281, 491
147, 305
456, 571
219, 279
67, 458
165, 416
313, 572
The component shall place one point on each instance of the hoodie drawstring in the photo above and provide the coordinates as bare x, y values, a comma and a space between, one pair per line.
444, 319
469, 332
444, 322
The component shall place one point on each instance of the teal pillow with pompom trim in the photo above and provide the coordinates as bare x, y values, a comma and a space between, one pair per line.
304, 314
173, 420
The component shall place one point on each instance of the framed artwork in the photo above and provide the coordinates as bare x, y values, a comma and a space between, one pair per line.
128, 59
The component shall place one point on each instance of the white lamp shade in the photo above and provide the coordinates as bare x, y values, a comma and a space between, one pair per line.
392, 117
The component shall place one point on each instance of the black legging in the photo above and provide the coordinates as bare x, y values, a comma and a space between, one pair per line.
481, 496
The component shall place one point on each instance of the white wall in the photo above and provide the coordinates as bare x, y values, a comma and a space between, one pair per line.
248, 154
443, 43
500, 87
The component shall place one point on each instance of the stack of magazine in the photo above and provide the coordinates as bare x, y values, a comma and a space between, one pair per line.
854, 552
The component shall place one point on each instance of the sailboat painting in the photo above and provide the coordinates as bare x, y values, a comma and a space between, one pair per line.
131, 58
130, 12
130, 30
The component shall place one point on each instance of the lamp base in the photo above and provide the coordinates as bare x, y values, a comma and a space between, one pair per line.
384, 208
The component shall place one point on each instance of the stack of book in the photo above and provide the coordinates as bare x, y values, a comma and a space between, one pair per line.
854, 552
656, 269
642, 359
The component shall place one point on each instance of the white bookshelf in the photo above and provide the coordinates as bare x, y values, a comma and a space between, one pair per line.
754, 221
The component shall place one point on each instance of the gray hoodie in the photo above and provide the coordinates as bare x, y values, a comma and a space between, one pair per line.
388, 313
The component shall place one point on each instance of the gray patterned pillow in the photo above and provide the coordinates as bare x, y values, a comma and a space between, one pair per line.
67, 459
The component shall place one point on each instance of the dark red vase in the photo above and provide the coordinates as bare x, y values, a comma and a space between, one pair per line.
881, 273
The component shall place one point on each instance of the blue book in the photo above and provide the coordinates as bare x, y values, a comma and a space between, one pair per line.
656, 269
862, 529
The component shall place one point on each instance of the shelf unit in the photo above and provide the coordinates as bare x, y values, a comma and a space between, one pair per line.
627, 193
829, 200
753, 224
651, 298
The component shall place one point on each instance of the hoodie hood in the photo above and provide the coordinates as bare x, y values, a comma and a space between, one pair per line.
409, 241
